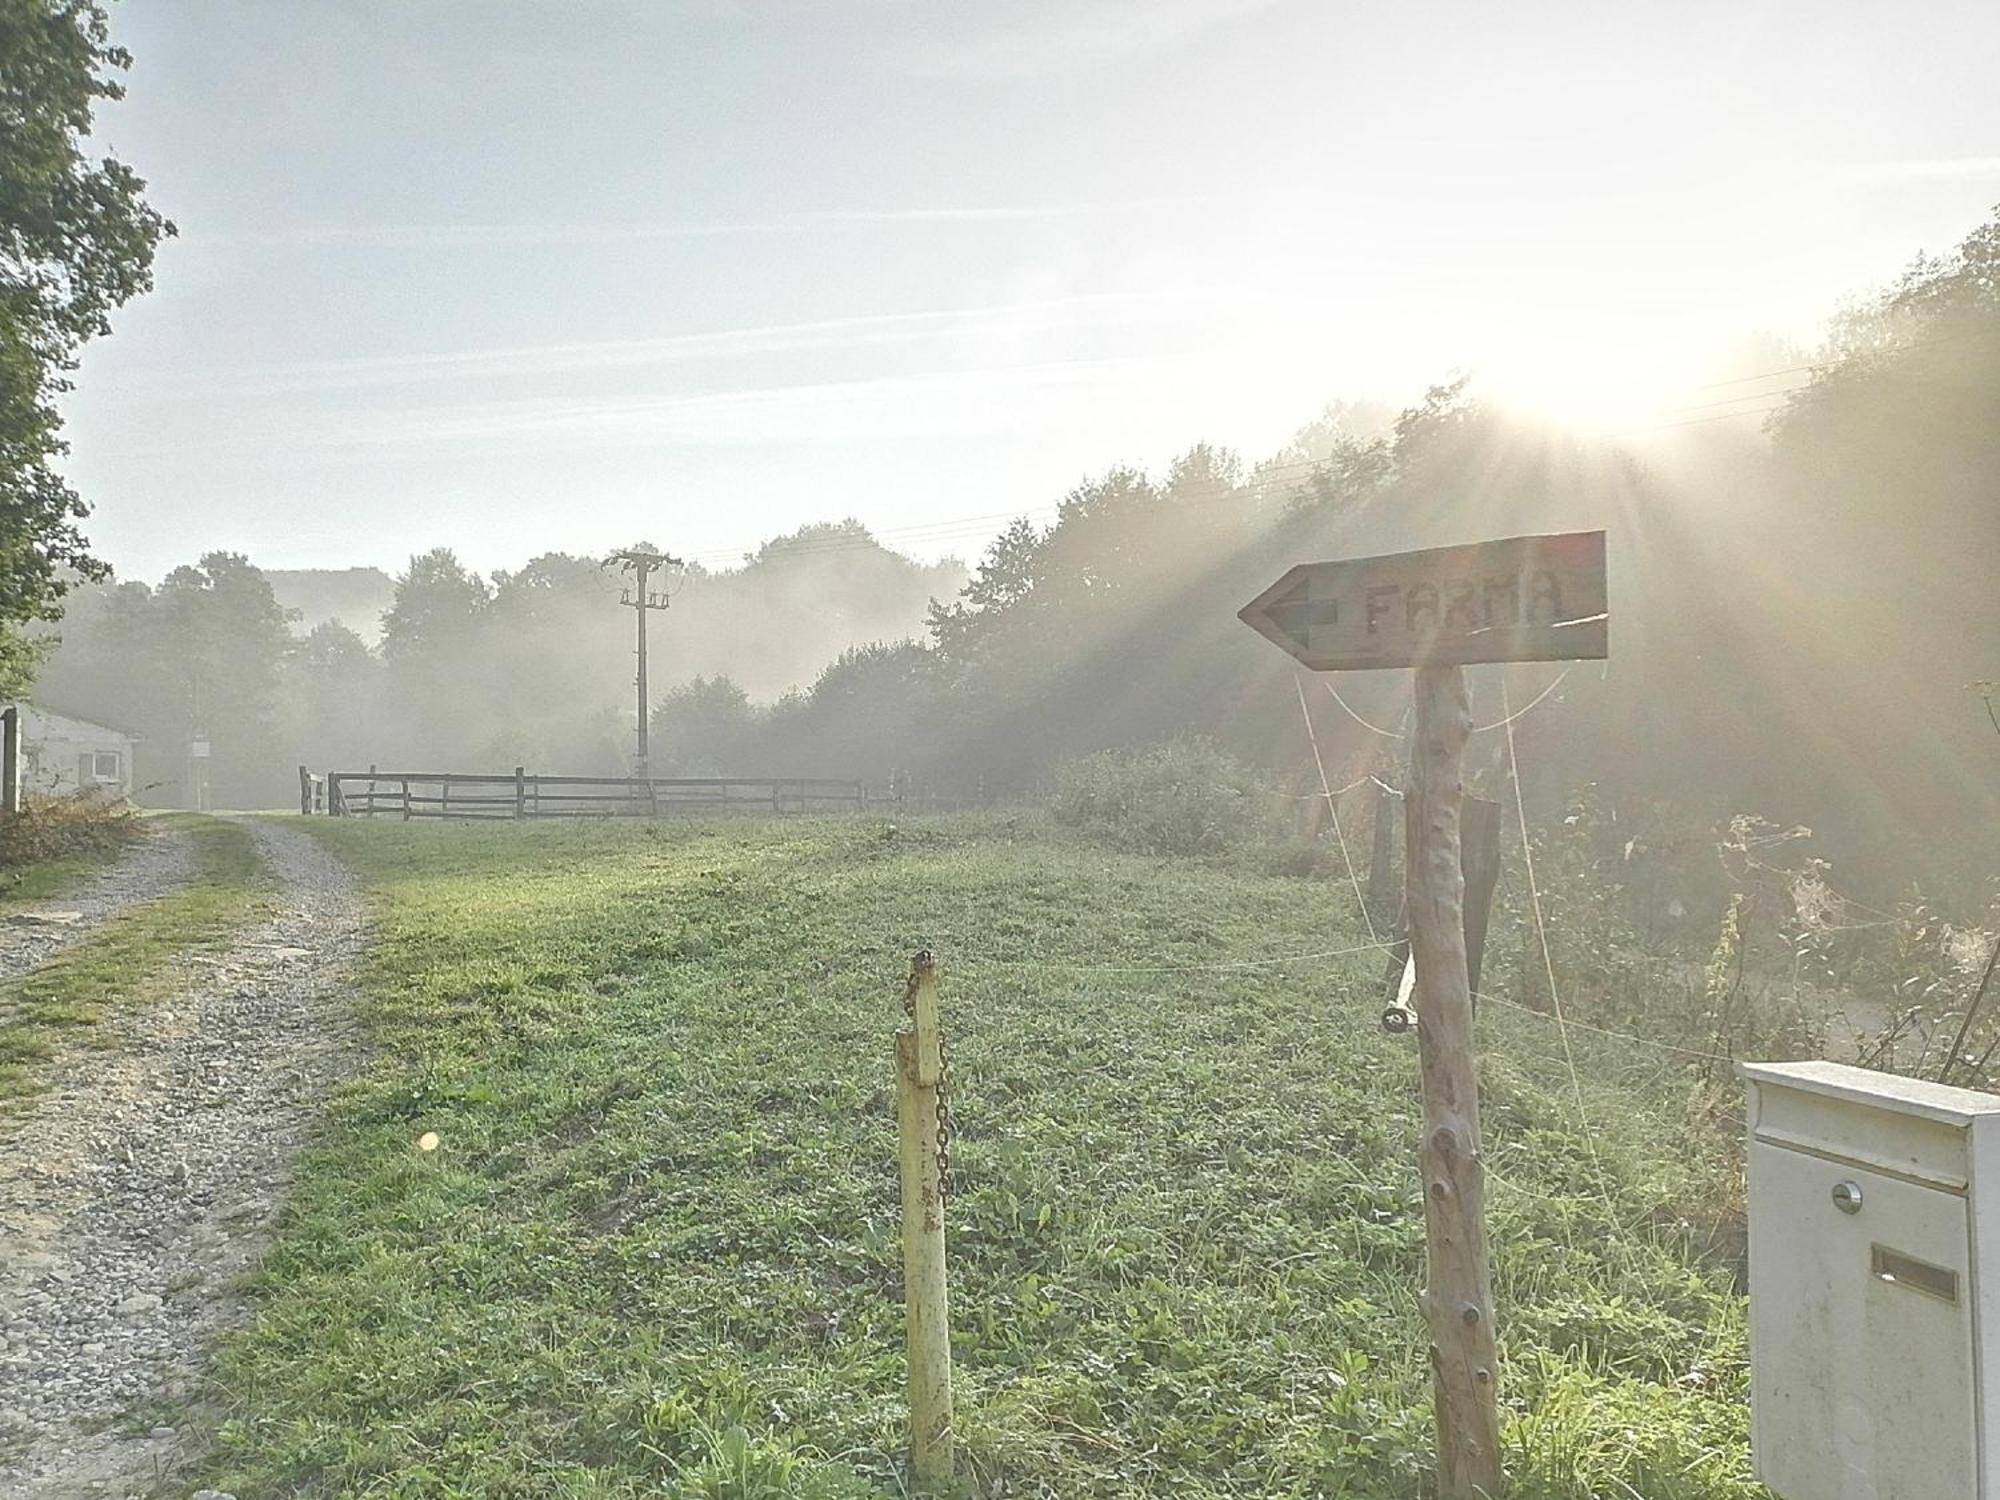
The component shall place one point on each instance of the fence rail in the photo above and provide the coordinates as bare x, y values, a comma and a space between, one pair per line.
450, 794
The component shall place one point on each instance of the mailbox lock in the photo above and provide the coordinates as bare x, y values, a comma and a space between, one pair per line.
1847, 1197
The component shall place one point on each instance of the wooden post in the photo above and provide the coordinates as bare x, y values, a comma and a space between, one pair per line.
406, 799
1479, 858
305, 792
520, 792
923, 1136
1382, 861
10, 759
1458, 1296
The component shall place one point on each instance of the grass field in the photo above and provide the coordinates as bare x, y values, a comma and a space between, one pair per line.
50, 879
121, 960
656, 1251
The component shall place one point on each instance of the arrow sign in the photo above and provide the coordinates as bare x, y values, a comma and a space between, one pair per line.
1525, 598
1294, 609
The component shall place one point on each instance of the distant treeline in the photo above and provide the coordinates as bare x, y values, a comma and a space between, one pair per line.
531, 667
1800, 621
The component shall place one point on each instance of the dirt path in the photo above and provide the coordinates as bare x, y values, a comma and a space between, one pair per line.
146, 1181
32, 934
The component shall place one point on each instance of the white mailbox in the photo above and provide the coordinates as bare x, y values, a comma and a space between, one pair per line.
1874, 1336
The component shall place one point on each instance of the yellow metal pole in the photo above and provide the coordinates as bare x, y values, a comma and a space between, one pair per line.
923, 1136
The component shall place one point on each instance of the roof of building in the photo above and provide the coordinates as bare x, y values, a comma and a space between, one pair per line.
51, 716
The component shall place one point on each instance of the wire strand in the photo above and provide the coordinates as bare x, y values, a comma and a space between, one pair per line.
1333, 808
1215, 968
1542, 935
1387, 734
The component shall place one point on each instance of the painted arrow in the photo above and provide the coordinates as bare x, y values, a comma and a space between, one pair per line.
1296, 612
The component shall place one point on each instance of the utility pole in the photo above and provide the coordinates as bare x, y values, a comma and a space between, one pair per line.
641, 564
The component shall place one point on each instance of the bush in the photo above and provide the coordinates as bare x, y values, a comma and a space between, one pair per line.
81, 827
1181, 797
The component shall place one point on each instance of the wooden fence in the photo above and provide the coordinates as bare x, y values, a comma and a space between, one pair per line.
449, 794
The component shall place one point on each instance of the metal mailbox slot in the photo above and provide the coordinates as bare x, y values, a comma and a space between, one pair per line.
1874, 1367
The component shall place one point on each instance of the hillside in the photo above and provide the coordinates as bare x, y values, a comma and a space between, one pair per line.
356, 597
655, 1250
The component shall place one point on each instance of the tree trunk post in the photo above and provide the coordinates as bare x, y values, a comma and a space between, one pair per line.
923, 1138
1480, 859
1382, 861
1458, 1296
10, 760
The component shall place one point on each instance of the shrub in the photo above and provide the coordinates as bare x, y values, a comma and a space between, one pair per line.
1182, 797
65, 828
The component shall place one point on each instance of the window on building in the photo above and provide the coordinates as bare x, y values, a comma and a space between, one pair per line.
104, 765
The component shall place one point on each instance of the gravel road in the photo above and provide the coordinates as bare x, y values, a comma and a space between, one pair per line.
30, 935
145, 1184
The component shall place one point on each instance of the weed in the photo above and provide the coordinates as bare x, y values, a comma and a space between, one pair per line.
1181, 797
55, 843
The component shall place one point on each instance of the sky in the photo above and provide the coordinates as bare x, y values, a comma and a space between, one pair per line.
562, 274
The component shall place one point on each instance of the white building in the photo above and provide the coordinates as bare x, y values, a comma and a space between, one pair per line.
61, 756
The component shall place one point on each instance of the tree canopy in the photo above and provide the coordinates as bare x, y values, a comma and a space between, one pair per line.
76, 242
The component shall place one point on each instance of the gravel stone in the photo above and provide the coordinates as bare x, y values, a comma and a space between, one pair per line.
139, 1190
31, 936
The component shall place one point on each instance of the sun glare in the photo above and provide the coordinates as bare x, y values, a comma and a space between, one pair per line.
1603, 387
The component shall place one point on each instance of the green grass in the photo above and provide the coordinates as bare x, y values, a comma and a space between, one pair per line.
656, 1252
53, 878
123, 960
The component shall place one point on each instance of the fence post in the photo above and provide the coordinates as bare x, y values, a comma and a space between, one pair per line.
520, 792
10, 760
406, 799
924, 1132
305, 792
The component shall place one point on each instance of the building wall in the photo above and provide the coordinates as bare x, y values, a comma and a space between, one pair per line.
62, 755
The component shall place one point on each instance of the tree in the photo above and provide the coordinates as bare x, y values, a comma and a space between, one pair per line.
76, 241
706, 727
227, 638
439, 606
337, 682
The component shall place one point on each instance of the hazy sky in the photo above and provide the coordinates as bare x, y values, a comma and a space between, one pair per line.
533, 275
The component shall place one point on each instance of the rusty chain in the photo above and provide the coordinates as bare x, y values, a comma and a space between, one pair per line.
920, 966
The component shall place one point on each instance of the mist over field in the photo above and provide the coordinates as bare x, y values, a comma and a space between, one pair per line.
1803, 611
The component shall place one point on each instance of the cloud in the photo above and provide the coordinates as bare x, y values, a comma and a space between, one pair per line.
1949, 167
1050, 314
995, 399
533, 236
1070, 35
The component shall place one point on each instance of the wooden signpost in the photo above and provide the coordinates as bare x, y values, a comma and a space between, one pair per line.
1535, 598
